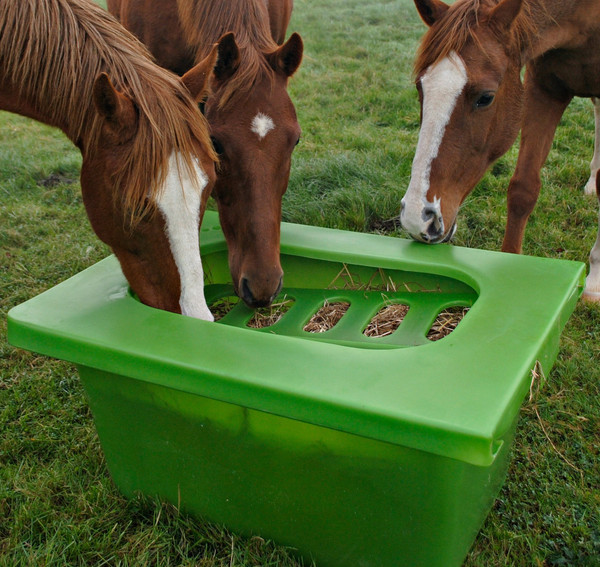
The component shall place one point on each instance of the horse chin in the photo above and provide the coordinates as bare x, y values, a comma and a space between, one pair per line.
450, 234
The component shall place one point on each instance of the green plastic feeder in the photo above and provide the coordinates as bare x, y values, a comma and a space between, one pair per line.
354, 450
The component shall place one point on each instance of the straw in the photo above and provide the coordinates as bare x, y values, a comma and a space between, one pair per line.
387, 320
446, 322
327, 317
268, 316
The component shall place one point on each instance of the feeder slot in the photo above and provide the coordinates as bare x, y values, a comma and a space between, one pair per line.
423, 308
327, 317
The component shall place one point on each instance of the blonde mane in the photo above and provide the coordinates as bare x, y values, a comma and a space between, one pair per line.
51, 52
457, 28
205, 21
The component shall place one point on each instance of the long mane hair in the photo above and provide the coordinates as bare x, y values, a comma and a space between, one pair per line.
205, 21
51, 52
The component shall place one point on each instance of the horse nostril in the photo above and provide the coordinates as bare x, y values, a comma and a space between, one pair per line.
429, 214
245, 292
433, 232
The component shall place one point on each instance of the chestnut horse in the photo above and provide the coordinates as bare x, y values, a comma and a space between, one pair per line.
148, 164
252, 119
473, 105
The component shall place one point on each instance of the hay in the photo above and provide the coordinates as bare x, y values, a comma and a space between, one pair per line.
268, 316
262, 317
222, 306
386, 321
446, 322
379, 280
327, 317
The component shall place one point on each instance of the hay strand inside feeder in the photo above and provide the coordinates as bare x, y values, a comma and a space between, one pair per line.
379, 280
327, 317
386, 321
222, 306
446, 321
267, 316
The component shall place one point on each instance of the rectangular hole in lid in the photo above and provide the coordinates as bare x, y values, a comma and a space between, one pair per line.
446, 321
223, 306
386, 320
327, 317
267, 316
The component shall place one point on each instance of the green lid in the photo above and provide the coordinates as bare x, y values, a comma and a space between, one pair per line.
454, 397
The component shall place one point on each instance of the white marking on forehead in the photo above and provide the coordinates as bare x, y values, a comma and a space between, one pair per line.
441, 86
262, 125
179, 202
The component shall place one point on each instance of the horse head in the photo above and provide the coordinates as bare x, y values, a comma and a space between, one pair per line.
154, 237
254, 136
470, 92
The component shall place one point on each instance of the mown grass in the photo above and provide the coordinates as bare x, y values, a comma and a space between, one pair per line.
359, 114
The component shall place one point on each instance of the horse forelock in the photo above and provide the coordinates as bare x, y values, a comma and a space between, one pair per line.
51, 52
204, 22
459, 25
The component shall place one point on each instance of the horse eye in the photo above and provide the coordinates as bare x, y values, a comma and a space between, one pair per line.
484, 100
217, 145
297, 142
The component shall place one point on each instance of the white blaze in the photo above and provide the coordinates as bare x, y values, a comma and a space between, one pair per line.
179, 204
441, 86
262, 125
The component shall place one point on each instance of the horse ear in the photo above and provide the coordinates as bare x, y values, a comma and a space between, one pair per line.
504, 14
197, 78
117, 109
288, 57
431, 10
228, 57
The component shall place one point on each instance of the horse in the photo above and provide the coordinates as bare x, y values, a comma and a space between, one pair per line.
148, 165
473, 105
252, 119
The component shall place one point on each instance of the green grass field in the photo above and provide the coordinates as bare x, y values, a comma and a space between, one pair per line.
359, 113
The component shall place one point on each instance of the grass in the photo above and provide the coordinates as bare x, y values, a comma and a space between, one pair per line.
359, 114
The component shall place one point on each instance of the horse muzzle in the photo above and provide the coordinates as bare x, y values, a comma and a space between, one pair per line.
425, 224
256, 296
431, 237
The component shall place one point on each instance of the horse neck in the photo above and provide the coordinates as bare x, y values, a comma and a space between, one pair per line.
23, 103
550, 24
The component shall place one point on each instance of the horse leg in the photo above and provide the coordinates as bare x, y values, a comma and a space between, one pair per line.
592, 282
541, 114
590, 187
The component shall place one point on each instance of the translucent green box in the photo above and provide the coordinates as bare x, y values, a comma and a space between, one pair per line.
356, 451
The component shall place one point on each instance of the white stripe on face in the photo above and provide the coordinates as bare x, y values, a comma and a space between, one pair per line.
262, 125
179, 204
441, 86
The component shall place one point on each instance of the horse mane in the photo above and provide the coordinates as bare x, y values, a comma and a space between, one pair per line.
204, 22
51, 52
457, 28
